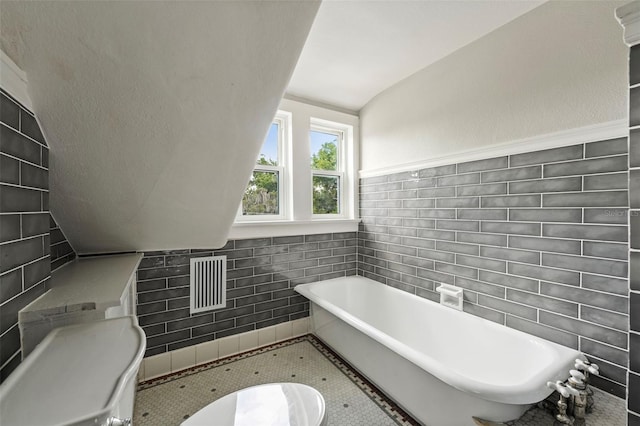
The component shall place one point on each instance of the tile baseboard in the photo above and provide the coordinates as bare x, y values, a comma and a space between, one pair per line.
181, 359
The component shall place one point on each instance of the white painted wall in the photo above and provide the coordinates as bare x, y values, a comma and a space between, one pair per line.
561, 66
154, 111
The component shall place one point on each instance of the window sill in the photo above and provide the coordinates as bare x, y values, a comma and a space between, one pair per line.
283, 228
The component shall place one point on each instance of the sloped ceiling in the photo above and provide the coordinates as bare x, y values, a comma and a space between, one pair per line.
357, 49
154, 111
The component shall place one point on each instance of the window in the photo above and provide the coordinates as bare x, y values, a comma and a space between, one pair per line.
264, 196
326, 170
305, 178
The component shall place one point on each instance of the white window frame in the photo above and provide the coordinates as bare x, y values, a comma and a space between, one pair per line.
323, 126
297, 216
283, 119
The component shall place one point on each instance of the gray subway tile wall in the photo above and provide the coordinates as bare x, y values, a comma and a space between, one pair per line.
25, 264
634, 148
633, 399
539, 242
634, 107
261, 275
61, 251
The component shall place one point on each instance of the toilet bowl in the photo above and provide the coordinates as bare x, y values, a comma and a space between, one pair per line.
273, 404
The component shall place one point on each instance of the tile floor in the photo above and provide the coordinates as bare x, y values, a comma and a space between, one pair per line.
350, 399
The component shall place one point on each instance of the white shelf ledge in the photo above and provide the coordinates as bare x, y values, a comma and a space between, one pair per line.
242, 230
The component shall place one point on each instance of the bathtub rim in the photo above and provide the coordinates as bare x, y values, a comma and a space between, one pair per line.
528, 392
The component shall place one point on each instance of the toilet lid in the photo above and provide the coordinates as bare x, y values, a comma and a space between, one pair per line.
273, 404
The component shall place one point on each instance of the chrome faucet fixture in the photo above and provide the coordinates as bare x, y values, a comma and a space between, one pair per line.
562, 417
587, 368
576, 398
114, 421
578, 403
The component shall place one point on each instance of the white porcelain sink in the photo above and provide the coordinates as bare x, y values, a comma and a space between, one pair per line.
78, 375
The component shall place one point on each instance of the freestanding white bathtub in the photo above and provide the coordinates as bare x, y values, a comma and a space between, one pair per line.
442, 366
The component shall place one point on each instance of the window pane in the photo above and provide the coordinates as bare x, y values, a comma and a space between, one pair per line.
325, 194
261, 195
324, 150
269, 151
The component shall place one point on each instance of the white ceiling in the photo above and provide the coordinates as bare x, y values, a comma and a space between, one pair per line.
357, 49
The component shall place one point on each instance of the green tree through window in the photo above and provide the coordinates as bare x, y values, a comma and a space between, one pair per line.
270, 194
261, 195
325, 188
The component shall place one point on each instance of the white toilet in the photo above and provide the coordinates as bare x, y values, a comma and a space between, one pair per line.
79, 375
273, 404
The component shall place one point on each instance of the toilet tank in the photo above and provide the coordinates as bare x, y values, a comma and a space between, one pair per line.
87, 289
78, 375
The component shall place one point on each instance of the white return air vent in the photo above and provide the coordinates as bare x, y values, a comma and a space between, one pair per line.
208, 283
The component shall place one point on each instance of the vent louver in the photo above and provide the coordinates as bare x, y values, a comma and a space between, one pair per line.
208, 283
